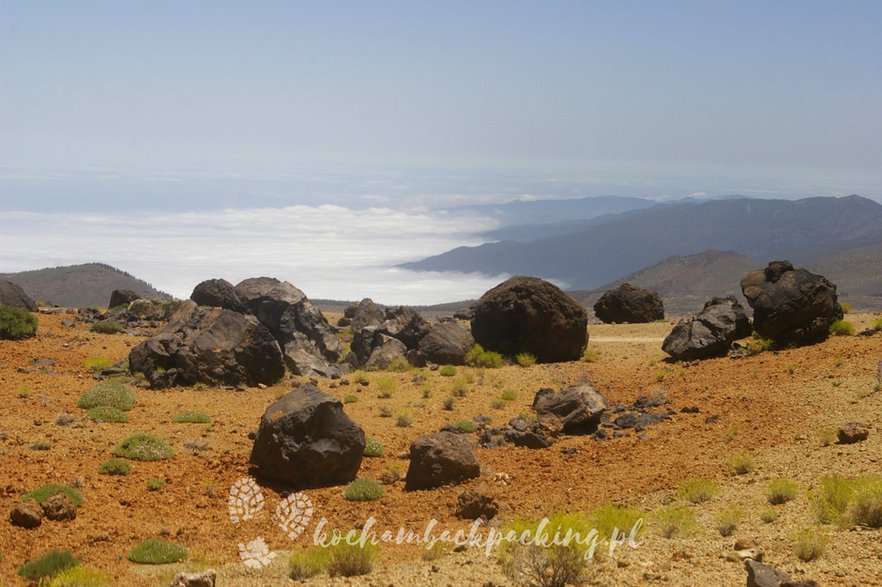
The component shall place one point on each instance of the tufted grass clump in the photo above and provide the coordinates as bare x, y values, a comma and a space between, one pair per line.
607, 518
107, 414
114, 467
107, 327
842, 328
403, 420
43, 493
373, 448
447, 371
478, 357
525, 359
742, 463
674, 520
16, 324
727, 521
110, 392
95, 363
192, 418
553, 566
155, 484
768, 515
465, 425
781, 491
47, 566
449, 403
157, 552
757, 344
308, 563
350, 399
509, 395
78, 577
698, 490
363, 490
809, 544
867, 506
591, 355
348, 560
386, 386
144, 447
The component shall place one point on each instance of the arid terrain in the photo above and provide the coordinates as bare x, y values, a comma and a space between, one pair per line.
778, 406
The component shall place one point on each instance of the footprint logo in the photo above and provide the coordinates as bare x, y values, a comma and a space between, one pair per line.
246, 500
256, 554
293, 514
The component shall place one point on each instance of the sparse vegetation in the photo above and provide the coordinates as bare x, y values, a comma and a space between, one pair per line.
846, 307
157, 552
47, 566
112, 393
308, 563
459, 389
698, 490
827, 436
727, 521
350, 399
592, 355
876, 324
360, 377
373, 448
192, 418
43, 493
386, 385
78, 577
674, 520
768, 515
16, 324
115, 467
478, 357
434, 551
553, 566
607, 518
525, 359
465, 425
509, 395
107, 414
781, 491
144, 447
449, 403
809, 544
742, 463
447, 371
97, 363
346, 560
385, 412
155, 484
842, 328
107, 327
363, 490
403, 420
867, 508
757, 344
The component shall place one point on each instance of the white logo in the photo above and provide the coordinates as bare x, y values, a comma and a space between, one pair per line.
294, 514
246, 500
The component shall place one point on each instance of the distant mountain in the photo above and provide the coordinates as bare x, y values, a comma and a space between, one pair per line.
799, 230
84, 285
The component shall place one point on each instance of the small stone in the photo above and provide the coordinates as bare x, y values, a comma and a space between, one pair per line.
681, 555
852, 432
754, 553
26, 515
59, 507
760, 575
204, 579
744, 544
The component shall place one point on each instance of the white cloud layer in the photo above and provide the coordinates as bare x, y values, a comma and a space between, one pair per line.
327, 251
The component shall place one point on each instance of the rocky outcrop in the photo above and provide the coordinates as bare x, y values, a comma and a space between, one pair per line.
366, 313
209, 345
446, 343
122, 297
576, 409
305, 439
528, 314
217, 293
385, 351
442, 458
709, 333
13, 295
791, 305
630, 304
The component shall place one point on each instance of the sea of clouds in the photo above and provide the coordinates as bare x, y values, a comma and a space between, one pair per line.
328, 251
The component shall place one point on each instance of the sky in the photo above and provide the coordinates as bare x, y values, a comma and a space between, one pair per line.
165, 109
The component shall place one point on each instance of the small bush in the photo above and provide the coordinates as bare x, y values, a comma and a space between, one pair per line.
757, 344
867, 508
607, 518
827, 436
525, 359
459, 389
195, 445
363, 490
877, 324
192, 418
698, 490
509, 395
769, 515
403, 420
350, 399
781, 491
373, 448
115, 467
48, 565
478, 357
78, 577
360, 377
674, 520
107, 327
143, 447
426, 391
115, 394
155, 484
97, 363
399, 366
346, 560
16, 324
727, 521
497, 404
809, 544
742, 463
308, 563
433, 552
832, 499
846, 307
592, 355
449, 403
466, 426
386, 386
107, 414
385, 412
447, 371
43, 493
554, 566
842, 328
157, 552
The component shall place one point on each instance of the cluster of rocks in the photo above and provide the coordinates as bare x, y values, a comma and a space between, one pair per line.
132, 312
710, 333
630, 304
30, 514
11, 294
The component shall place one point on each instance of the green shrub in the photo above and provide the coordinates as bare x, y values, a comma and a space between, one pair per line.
403, 420
308, 563
867, 508
607, 518
143, 447
399, 366
757, 344
509, 395
877, 324
107, 327
155, 484
846, 307
107, 414
592, 355
781, 491
553, 566
742, 463
110, 392
363, 490
809, 544
497, 404
449, 403
769, 515
727, 521
674, 520
478, 357
350, 399
192, 418
115, 467
447, 371
16, 324
97, 363
78, 577
525, 359
43, 493
386, 386
433, 551
373, 448
833, 498
157, 552
459, 389
466, 426
842, 328
346, 560
48, 565
698, 490
385, 412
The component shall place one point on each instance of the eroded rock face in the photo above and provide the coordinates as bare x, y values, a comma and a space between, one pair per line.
442, 458
630, 304
305, 439
405, 324
576, 409
217, 293
446, 343
13, 295
709, 333
791, 305
122, 297
209, 345
528, 314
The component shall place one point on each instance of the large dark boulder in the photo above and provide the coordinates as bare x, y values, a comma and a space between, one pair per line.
405, 324
442, 458
791, 305
386, 350
446, 343
13, 295
209, 345
366, 313
122, 297
709, 333
305, 439
576, 409
528, 314
217, 293
292, 318
627, 303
